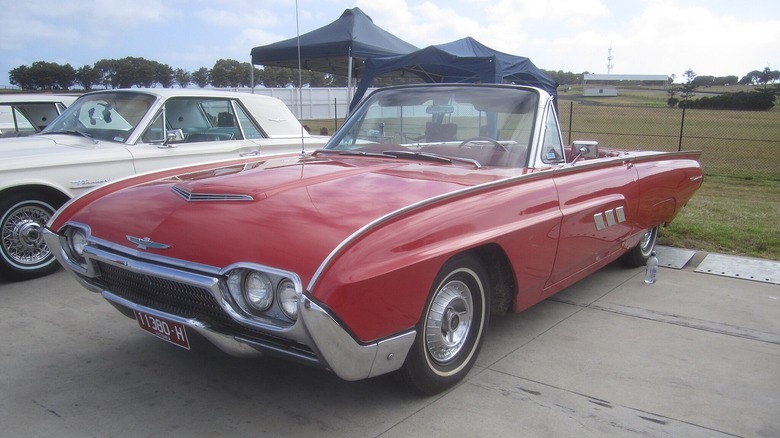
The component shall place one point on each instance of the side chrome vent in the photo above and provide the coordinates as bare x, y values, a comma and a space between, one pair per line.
205, 197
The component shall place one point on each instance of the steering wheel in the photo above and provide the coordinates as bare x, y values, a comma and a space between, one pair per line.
496, 144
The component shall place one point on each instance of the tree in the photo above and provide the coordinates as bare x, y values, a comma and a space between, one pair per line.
767, 77
106, 69
87, 76
227, 73
201, 77
279, 77
42, 75
139, 71
703, 81
21, 77
182, 77
163, 74
688, 87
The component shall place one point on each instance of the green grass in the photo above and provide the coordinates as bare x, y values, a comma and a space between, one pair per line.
730, 216
743, 144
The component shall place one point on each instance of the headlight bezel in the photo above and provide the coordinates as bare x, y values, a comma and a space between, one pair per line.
237, 279
75, 240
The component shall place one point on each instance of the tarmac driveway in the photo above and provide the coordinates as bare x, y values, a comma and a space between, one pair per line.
692, 355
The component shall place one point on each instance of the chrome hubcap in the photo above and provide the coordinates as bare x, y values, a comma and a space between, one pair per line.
449, 321
648, 241
22, 236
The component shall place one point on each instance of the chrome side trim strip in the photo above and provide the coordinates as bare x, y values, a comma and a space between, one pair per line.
425, 202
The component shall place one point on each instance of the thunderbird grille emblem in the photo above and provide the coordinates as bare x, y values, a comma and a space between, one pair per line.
147, 243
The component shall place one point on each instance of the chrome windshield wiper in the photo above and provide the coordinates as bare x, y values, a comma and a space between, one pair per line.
432, 157
415, 155
347, 152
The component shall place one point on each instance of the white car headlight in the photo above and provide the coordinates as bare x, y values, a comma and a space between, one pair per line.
77, 241
258, 291
288, 298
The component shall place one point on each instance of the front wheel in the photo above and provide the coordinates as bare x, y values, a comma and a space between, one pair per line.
638, 255
451, 328
23, 253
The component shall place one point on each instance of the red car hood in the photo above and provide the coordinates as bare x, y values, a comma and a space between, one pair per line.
287, 215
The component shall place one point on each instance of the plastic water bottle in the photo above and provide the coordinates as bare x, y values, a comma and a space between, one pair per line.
652, 268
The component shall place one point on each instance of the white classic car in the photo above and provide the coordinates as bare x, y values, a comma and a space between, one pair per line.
26, 114
110, 134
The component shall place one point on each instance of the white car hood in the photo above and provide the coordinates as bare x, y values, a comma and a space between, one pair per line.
53, 149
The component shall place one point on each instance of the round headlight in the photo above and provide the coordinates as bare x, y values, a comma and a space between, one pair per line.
258, 290
77, 240
288, 298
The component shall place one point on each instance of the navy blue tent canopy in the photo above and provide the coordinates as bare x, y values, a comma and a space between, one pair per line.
464, 60
333, 47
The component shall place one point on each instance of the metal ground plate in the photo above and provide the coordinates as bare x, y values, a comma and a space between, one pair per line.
676, 258
765, 271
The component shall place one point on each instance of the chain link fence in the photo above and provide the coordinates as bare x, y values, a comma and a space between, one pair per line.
744, 144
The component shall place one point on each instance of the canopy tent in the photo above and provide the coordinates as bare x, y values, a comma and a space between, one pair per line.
336, 48
464, 60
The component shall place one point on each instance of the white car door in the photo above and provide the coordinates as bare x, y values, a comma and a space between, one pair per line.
212, 129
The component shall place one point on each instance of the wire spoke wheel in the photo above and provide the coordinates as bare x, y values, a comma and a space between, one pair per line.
23, 252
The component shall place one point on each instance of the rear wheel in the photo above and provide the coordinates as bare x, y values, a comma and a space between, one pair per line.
638, 255
451, 329
23, 254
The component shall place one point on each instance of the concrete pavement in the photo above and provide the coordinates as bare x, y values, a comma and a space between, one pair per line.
694, 355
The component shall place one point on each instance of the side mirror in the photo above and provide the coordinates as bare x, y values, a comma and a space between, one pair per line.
172, 135
584, 149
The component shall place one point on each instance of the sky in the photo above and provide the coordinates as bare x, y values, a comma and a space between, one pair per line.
711, 37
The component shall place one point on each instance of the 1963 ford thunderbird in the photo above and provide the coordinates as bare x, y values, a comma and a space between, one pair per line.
388, 250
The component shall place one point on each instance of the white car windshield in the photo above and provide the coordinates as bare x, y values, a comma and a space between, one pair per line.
489, 126
104, 116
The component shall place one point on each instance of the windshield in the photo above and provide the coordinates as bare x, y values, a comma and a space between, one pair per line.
104, 116
486, 125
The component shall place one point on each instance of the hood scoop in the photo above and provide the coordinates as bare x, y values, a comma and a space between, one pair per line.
190, 196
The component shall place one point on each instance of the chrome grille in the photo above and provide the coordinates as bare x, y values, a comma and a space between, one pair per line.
161, 294
186, 301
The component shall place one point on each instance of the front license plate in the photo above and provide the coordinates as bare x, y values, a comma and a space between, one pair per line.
163, 328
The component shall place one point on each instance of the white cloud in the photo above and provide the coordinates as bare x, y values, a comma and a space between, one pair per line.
713, 37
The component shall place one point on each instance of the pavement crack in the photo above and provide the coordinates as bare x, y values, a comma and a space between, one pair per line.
51, 411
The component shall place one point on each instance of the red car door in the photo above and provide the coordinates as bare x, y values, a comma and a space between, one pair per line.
598, 202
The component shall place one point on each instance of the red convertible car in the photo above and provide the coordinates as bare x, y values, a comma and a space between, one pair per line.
388, 250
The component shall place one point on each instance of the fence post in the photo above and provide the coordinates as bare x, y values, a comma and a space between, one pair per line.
571, 116
335, 115
682, 125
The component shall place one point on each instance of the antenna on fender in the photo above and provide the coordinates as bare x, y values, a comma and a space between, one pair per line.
300, 80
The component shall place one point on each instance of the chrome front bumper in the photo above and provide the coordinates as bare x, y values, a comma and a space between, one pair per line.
333, 347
